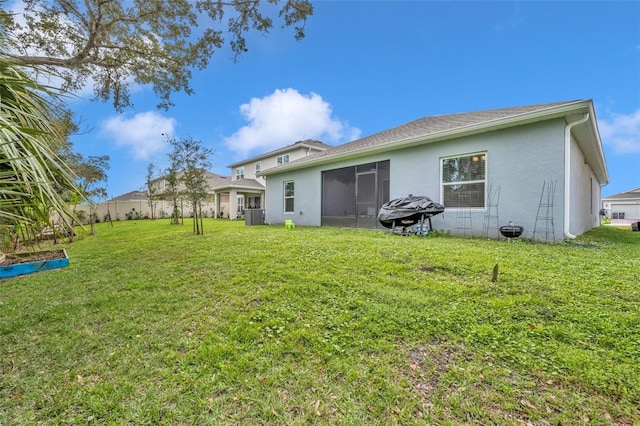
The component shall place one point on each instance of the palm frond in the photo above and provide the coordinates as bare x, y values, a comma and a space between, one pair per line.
31, 173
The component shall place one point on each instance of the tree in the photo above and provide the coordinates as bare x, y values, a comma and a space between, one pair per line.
172, 189
192, 159
117, 43
31, 172
90, 173
151, 189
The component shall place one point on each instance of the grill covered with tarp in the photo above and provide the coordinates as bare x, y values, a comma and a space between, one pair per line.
408, 211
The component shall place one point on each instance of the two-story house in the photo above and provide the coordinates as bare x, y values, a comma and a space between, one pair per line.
230, 195
246, 190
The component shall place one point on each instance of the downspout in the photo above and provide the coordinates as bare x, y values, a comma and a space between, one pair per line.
567, 174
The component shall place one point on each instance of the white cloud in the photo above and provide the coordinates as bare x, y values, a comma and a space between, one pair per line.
142, 133
284, 117
621, 132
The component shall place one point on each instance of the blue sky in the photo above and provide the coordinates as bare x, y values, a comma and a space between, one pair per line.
366, 66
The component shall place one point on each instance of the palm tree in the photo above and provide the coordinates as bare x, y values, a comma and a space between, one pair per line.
32, 176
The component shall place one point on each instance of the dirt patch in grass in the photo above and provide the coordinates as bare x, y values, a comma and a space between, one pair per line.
428, 364
456, 384
434, 269
16, 258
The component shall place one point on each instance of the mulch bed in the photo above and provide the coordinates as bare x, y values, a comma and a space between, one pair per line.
15, 258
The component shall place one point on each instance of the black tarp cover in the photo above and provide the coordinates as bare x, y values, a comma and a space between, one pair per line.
407, 211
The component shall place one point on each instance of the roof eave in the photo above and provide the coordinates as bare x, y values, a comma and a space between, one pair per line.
251, 188
491, 125
600, 159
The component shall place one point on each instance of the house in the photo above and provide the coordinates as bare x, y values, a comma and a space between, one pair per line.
246, 189
624, 207
210, 207
539, 166
135, 204
230, 195
131, 204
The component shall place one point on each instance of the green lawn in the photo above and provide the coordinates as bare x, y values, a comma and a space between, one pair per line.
261, 325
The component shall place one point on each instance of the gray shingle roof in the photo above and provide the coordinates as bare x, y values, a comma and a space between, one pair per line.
425, 128
215, 180
131, 196
240, 183
631, 194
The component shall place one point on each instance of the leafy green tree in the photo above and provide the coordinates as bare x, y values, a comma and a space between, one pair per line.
193, 160
116, 43
91, 177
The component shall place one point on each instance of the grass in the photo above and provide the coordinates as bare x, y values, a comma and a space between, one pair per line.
261, 325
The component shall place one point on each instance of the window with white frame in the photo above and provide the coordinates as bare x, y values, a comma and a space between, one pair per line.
258, 165
288, 197
463, 180
283, 159
240, 200
239, 172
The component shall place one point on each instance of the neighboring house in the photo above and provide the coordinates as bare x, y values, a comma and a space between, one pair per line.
624, 207
132, 203
230, 196
213, 207
134, 196
135, 204
246, 189
539, 166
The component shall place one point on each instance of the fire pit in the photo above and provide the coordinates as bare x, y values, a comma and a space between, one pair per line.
511, 231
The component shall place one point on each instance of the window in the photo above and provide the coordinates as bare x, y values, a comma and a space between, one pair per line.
617, 215
463, 181
254, 202
288, 197
257, 167
239, 172
283, 159
240, 209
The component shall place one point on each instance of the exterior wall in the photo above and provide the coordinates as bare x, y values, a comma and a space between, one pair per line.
585, 194
224, 206
520, 160
307, 197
